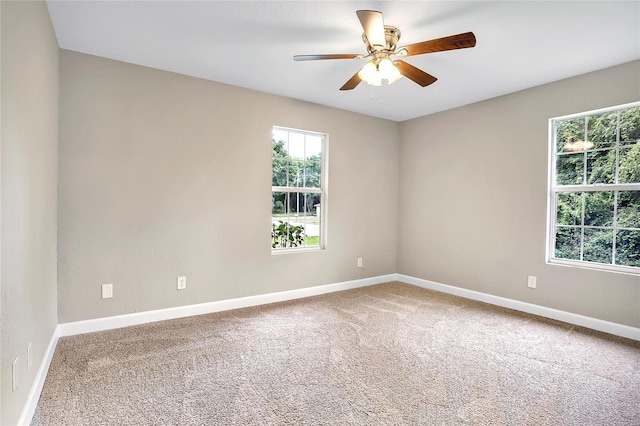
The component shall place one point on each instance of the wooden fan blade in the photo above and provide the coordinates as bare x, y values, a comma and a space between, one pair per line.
415, 74
352, 83
458, 41
373, 26
330, 56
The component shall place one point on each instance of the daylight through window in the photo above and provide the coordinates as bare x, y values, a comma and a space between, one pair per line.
298, 200
595, 189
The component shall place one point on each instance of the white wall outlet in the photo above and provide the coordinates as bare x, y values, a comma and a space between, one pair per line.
360, 263
107, 291
29, 357
182, 283
14, 375
531, 281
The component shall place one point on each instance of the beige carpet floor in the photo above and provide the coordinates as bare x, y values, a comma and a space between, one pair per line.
388, 354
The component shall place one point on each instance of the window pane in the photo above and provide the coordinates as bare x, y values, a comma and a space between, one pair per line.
628, 248
278, 204
569, 208
629, 164
602, 130
295, 219
568, 133
296, 172
313, 146
601, 166
296, 145
312, 169
311, 220
598, 245
629, 125
629, 209
569, 169
598, 208
567, 243
279, 164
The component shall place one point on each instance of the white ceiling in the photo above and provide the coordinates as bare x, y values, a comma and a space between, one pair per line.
251, 44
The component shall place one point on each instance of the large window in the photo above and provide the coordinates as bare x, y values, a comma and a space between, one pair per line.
298, 191
595, 189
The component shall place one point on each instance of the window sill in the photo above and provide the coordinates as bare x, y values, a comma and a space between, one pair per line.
601, 267
296, 250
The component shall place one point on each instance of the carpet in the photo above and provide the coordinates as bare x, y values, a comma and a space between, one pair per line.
388, 354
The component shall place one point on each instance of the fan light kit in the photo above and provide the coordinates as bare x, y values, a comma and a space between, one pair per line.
381, 42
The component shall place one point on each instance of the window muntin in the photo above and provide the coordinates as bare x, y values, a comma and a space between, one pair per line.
298, 190
595, 189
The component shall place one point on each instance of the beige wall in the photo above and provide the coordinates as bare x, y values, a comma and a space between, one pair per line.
29, 195
473, 198
164, 175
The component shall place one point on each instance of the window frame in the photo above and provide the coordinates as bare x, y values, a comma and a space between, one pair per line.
322, 191
555, 189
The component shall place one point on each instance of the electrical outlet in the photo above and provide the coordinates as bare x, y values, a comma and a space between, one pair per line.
182, 283
29, 357
107, 291
360, 263
14, 375
531, 281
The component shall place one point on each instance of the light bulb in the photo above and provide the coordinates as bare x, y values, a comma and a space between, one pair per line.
388, 71
394, 75
370, 74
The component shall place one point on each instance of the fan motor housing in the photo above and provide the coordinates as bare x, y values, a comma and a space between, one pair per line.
391, 35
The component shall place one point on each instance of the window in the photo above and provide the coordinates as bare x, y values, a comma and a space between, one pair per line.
594, 205
298, 191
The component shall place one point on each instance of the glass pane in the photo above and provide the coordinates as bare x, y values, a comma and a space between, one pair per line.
312, 169
567, 243
311, 220
628, 248
629, 125
598, 245
279, 164
598, 208
568, 133
296, 145
296, 172
280, 135
629, 164
602, 130
569, 208
601, 166
569, 169
313, 146
285, 231
629, 209
278, 204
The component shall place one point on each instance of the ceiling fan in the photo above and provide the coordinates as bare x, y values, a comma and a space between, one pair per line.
381, 42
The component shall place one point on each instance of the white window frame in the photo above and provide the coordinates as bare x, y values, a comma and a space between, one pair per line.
324, 179
554, 189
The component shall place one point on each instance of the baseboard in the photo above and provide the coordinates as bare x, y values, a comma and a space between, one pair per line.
99, 324
36, 388
568, 317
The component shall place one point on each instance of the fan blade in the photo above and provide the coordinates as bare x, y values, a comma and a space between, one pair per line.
459, 41
331, 56
415, 74
352, 83
373, 26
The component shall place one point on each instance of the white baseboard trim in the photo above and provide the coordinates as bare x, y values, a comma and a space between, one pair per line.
36, 388
99, 324
568, 317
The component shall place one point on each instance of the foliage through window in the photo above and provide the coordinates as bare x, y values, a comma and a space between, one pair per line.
595, 189
297, 189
